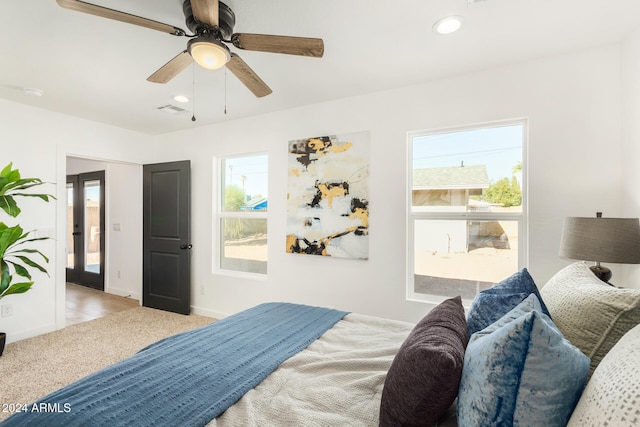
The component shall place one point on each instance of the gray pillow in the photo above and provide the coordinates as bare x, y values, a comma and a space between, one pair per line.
588, 312
424, 377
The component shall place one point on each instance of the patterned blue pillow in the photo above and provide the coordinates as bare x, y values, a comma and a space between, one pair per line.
493, 303
521, 371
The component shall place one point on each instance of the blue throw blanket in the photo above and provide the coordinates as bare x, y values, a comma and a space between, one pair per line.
187, 379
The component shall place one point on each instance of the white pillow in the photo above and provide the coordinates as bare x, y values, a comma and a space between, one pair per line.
612, 396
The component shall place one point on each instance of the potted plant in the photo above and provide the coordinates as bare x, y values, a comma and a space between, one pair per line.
16, 257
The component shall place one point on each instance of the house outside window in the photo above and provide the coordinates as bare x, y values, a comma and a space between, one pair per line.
467, 209
242, 214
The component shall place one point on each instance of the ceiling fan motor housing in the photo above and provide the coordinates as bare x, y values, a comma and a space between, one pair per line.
226, 20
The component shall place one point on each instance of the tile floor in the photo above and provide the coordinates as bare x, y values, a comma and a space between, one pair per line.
85, 304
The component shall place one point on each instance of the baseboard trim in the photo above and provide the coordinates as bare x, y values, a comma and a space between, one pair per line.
30, 333
208, 313
124, 293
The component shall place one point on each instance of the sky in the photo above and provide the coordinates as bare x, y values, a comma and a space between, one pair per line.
498, 148
254, 169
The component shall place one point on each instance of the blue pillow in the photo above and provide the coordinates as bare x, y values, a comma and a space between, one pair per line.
493, 303
521, 371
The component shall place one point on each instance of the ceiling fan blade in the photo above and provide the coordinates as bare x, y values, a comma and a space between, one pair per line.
206, 11
303, 46
171, 68
247, 76
105, 12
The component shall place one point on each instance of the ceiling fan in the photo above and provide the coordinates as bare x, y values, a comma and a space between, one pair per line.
211, 22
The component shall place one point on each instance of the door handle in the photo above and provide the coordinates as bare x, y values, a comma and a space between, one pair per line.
76, 233
189, 246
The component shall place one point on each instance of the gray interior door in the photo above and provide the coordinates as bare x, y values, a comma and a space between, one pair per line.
166, 236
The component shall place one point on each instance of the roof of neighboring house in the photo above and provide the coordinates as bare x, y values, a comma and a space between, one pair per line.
457, 177
255, 204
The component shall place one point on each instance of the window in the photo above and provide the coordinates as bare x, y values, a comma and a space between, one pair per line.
467, 209
242, 213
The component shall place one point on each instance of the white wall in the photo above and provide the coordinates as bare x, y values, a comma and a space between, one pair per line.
124, 245
24, 144
573, 106
38, 142
76, 165
631, 140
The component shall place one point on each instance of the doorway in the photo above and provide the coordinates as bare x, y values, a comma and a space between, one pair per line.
86, 229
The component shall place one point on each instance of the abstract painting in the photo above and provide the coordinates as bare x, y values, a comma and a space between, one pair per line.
328, 196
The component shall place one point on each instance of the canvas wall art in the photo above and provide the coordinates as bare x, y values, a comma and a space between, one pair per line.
328, 196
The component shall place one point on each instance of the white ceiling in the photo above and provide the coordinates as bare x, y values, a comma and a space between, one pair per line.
96, 68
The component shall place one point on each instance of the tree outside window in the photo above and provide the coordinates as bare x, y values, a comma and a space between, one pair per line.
243, 213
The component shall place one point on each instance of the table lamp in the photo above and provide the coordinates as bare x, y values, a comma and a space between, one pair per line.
615, 240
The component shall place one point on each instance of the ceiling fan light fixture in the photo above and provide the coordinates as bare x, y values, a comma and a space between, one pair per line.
448, 24
208, 52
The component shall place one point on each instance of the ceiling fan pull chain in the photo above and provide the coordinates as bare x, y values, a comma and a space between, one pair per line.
193, 90
225, 91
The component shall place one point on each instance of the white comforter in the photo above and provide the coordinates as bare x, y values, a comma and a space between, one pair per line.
336, 381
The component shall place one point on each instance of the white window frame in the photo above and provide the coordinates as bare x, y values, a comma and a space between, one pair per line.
412, 216
220, 215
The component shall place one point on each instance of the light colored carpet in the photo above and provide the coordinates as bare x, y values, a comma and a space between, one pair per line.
35, 367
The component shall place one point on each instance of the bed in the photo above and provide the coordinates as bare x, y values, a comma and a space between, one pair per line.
569, 351
274, 364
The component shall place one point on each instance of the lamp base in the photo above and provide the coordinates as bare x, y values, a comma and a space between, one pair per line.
602, 273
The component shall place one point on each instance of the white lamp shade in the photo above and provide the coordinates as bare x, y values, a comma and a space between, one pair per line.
615, 240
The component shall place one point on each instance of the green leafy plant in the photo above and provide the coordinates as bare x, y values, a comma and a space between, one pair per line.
12, 253
15, 255
12, 185
504, 192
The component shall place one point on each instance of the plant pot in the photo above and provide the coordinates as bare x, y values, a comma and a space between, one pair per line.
3, 339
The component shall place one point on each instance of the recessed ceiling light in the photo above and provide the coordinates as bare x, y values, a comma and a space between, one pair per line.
448, 25
181, 98
33, 91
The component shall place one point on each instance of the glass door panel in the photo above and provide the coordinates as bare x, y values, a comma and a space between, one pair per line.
92, 207
70, 230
